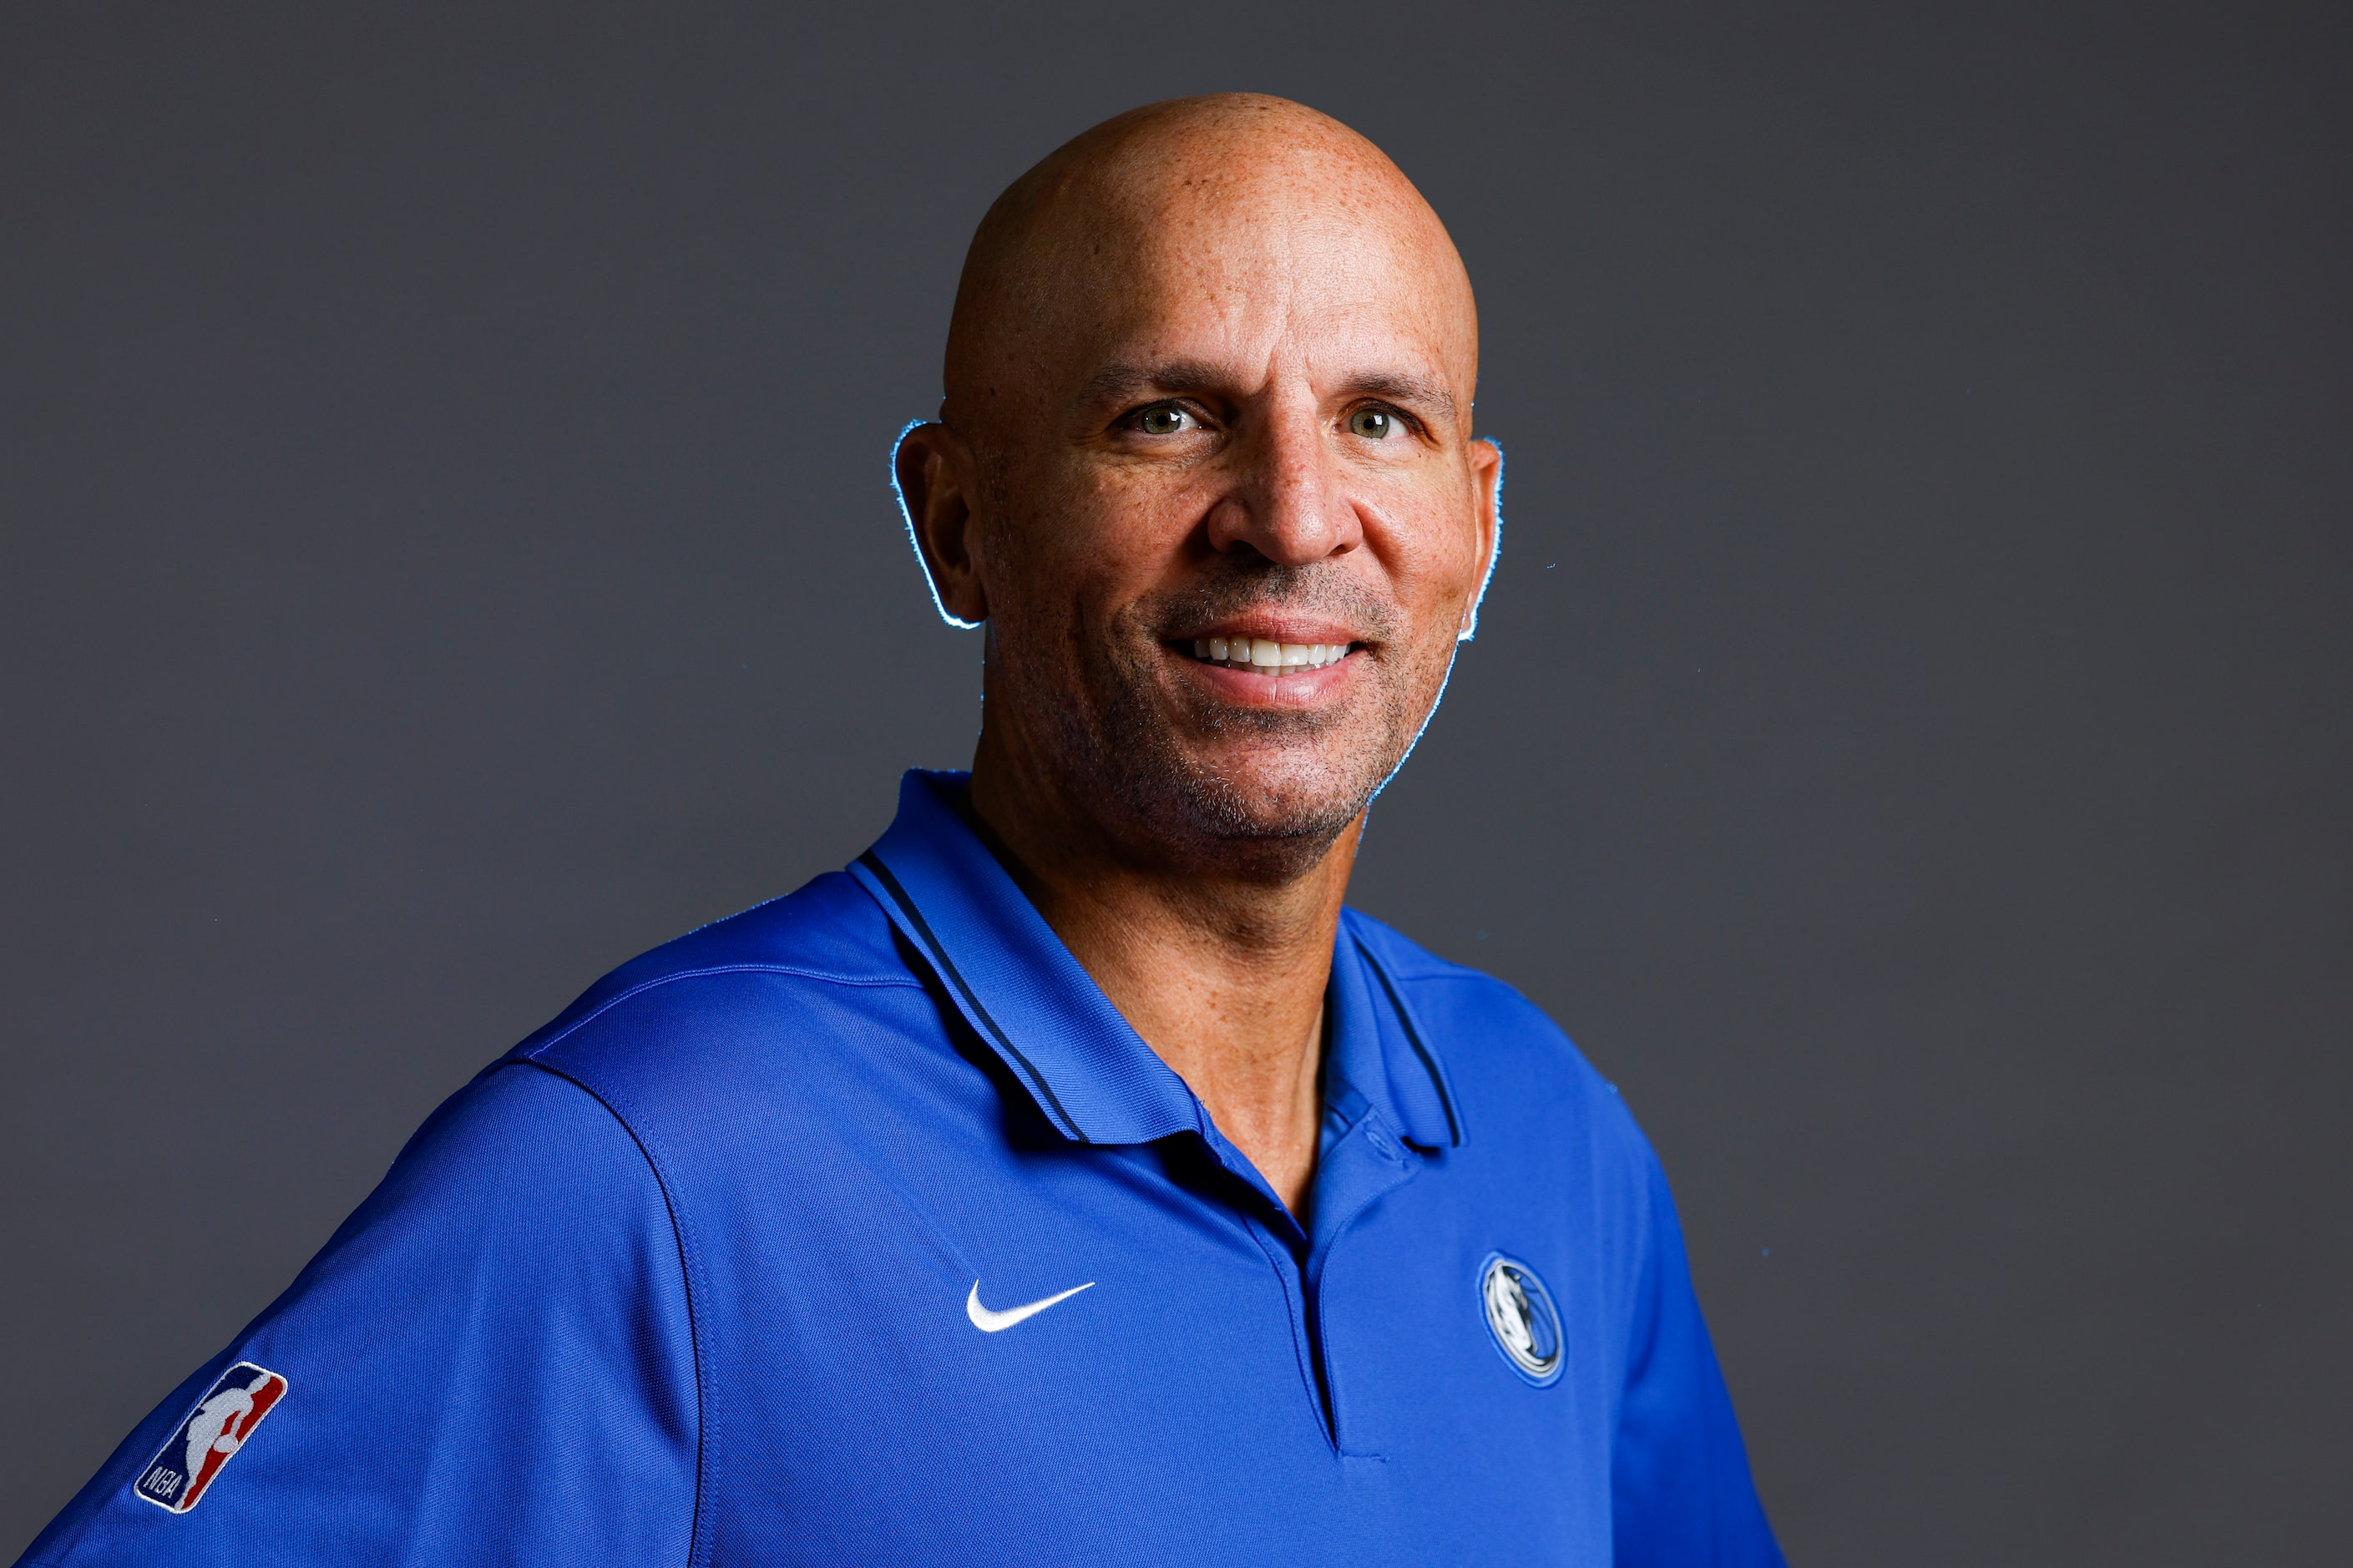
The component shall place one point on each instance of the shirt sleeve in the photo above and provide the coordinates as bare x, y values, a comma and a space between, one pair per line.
491, 1361
1681, 1492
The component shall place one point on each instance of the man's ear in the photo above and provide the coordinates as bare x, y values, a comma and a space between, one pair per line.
933, 468
1487, 489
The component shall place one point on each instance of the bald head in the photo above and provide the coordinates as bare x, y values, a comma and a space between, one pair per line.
1205, 467
1216, 198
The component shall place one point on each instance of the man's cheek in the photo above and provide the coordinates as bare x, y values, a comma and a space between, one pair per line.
1116, 540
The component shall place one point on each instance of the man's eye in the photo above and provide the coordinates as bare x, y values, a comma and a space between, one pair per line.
1164, 420
1375, 424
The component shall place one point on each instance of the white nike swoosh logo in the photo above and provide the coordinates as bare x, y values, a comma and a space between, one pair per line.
989, 1323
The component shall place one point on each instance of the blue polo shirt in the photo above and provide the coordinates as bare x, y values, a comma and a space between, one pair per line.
861, 1228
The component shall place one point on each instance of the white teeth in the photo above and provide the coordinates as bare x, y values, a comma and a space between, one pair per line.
1265, 658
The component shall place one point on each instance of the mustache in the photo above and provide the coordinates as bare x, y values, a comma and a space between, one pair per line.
1238, 587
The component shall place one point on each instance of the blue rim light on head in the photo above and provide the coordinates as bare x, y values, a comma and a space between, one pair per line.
1494, 551
908, 517
1470, 626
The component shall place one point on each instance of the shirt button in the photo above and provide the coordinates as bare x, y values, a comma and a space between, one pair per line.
1382, 1143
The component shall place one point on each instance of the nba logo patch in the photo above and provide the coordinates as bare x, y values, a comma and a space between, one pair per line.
177, 1477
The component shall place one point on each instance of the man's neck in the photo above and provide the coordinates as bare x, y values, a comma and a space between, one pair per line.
1222, 975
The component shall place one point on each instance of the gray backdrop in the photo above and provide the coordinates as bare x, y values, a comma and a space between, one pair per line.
446, 550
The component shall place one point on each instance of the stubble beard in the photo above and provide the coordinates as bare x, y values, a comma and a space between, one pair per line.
1122, 737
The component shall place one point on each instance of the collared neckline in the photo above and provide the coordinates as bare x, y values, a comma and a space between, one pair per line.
1092, 1075
1380, 1048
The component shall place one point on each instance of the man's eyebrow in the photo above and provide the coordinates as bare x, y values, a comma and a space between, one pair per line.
1118, 381
1412, 391
1122, 380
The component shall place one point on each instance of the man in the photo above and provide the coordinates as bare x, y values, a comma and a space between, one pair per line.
1073, 1179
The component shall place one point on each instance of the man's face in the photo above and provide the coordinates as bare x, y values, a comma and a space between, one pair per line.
1248, 433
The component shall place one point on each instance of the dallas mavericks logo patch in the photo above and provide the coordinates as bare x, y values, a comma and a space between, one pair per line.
1521, 1317
216, 1428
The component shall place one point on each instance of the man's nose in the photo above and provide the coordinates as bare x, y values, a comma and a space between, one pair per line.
1288, 502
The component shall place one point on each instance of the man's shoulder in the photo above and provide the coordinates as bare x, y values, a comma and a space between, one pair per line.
829, 928
825, 946
1502, 1055
1441, 989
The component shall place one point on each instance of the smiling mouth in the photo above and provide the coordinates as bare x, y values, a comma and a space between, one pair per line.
1261, 656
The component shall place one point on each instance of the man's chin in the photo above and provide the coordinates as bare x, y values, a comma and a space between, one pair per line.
1256, 794
1269, 806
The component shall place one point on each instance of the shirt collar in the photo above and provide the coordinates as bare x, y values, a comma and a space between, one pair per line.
1092, 1075
1379, 1048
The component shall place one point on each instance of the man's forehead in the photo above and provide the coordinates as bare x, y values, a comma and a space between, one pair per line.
1197, 236
1220, 303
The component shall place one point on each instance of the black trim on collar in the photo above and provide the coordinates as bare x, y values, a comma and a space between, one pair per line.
1413, 1038
936, 950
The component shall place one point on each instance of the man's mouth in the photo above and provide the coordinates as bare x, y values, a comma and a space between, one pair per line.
1261, 656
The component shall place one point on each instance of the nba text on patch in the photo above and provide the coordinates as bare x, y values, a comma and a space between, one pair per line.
179, 1475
